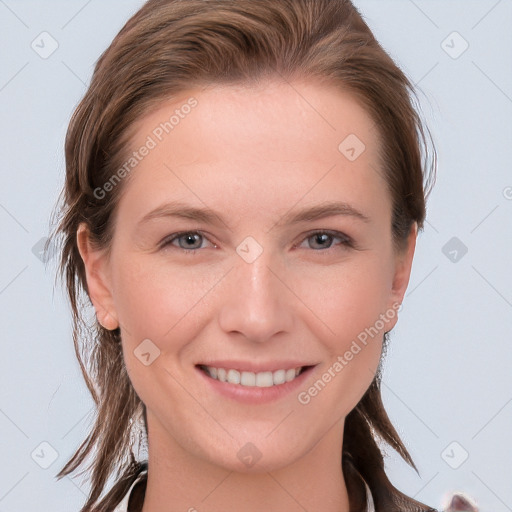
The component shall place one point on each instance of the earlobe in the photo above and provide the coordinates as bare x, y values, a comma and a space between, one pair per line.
97, 277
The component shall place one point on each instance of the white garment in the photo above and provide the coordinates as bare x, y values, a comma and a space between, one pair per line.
123, 506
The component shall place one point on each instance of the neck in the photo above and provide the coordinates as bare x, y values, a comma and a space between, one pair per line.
180, 482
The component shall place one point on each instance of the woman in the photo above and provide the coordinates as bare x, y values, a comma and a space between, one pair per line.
245, 183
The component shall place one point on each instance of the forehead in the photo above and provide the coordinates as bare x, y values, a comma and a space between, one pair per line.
242, 116
296, 138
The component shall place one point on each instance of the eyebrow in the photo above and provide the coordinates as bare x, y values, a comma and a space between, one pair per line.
208, 216
323, 210
184, 211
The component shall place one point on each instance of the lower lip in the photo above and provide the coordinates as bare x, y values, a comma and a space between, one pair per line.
254, 394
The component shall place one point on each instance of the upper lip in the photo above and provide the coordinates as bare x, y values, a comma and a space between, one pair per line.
255, 367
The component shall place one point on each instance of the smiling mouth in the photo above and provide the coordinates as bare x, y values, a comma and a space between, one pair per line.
252, 379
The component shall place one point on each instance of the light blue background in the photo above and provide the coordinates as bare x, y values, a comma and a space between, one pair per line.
447, 376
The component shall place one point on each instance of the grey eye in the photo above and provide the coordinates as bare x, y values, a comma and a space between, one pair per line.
190, 241
321, 240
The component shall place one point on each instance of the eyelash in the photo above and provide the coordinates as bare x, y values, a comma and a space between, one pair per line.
346, 241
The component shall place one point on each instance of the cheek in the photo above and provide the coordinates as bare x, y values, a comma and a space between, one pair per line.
168, 306
348, 299
154, 299
351, 304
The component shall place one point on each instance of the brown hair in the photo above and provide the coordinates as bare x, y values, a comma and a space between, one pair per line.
166, 48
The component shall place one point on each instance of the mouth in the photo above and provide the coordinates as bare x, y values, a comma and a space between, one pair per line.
262, 379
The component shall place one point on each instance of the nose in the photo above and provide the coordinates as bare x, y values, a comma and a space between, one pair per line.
257, 303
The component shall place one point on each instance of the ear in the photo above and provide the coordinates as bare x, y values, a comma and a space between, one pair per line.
402, 273
97, 277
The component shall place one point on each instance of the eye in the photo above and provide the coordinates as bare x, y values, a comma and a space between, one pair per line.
321, 240
189, 241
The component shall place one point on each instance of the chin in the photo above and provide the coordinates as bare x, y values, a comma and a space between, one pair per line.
259, 456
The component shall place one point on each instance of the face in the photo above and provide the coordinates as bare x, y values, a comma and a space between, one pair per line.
252, 243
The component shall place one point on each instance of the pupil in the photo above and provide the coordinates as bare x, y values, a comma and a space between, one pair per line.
322, 238
190, 239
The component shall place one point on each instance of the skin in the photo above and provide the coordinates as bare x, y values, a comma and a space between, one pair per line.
253, 154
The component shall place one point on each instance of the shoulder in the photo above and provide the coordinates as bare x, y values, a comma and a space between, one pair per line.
458, 501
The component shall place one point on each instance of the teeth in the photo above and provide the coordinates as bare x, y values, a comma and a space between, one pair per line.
250, 379
279, 377
264, 379
233, 377
247, 378
291, 374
